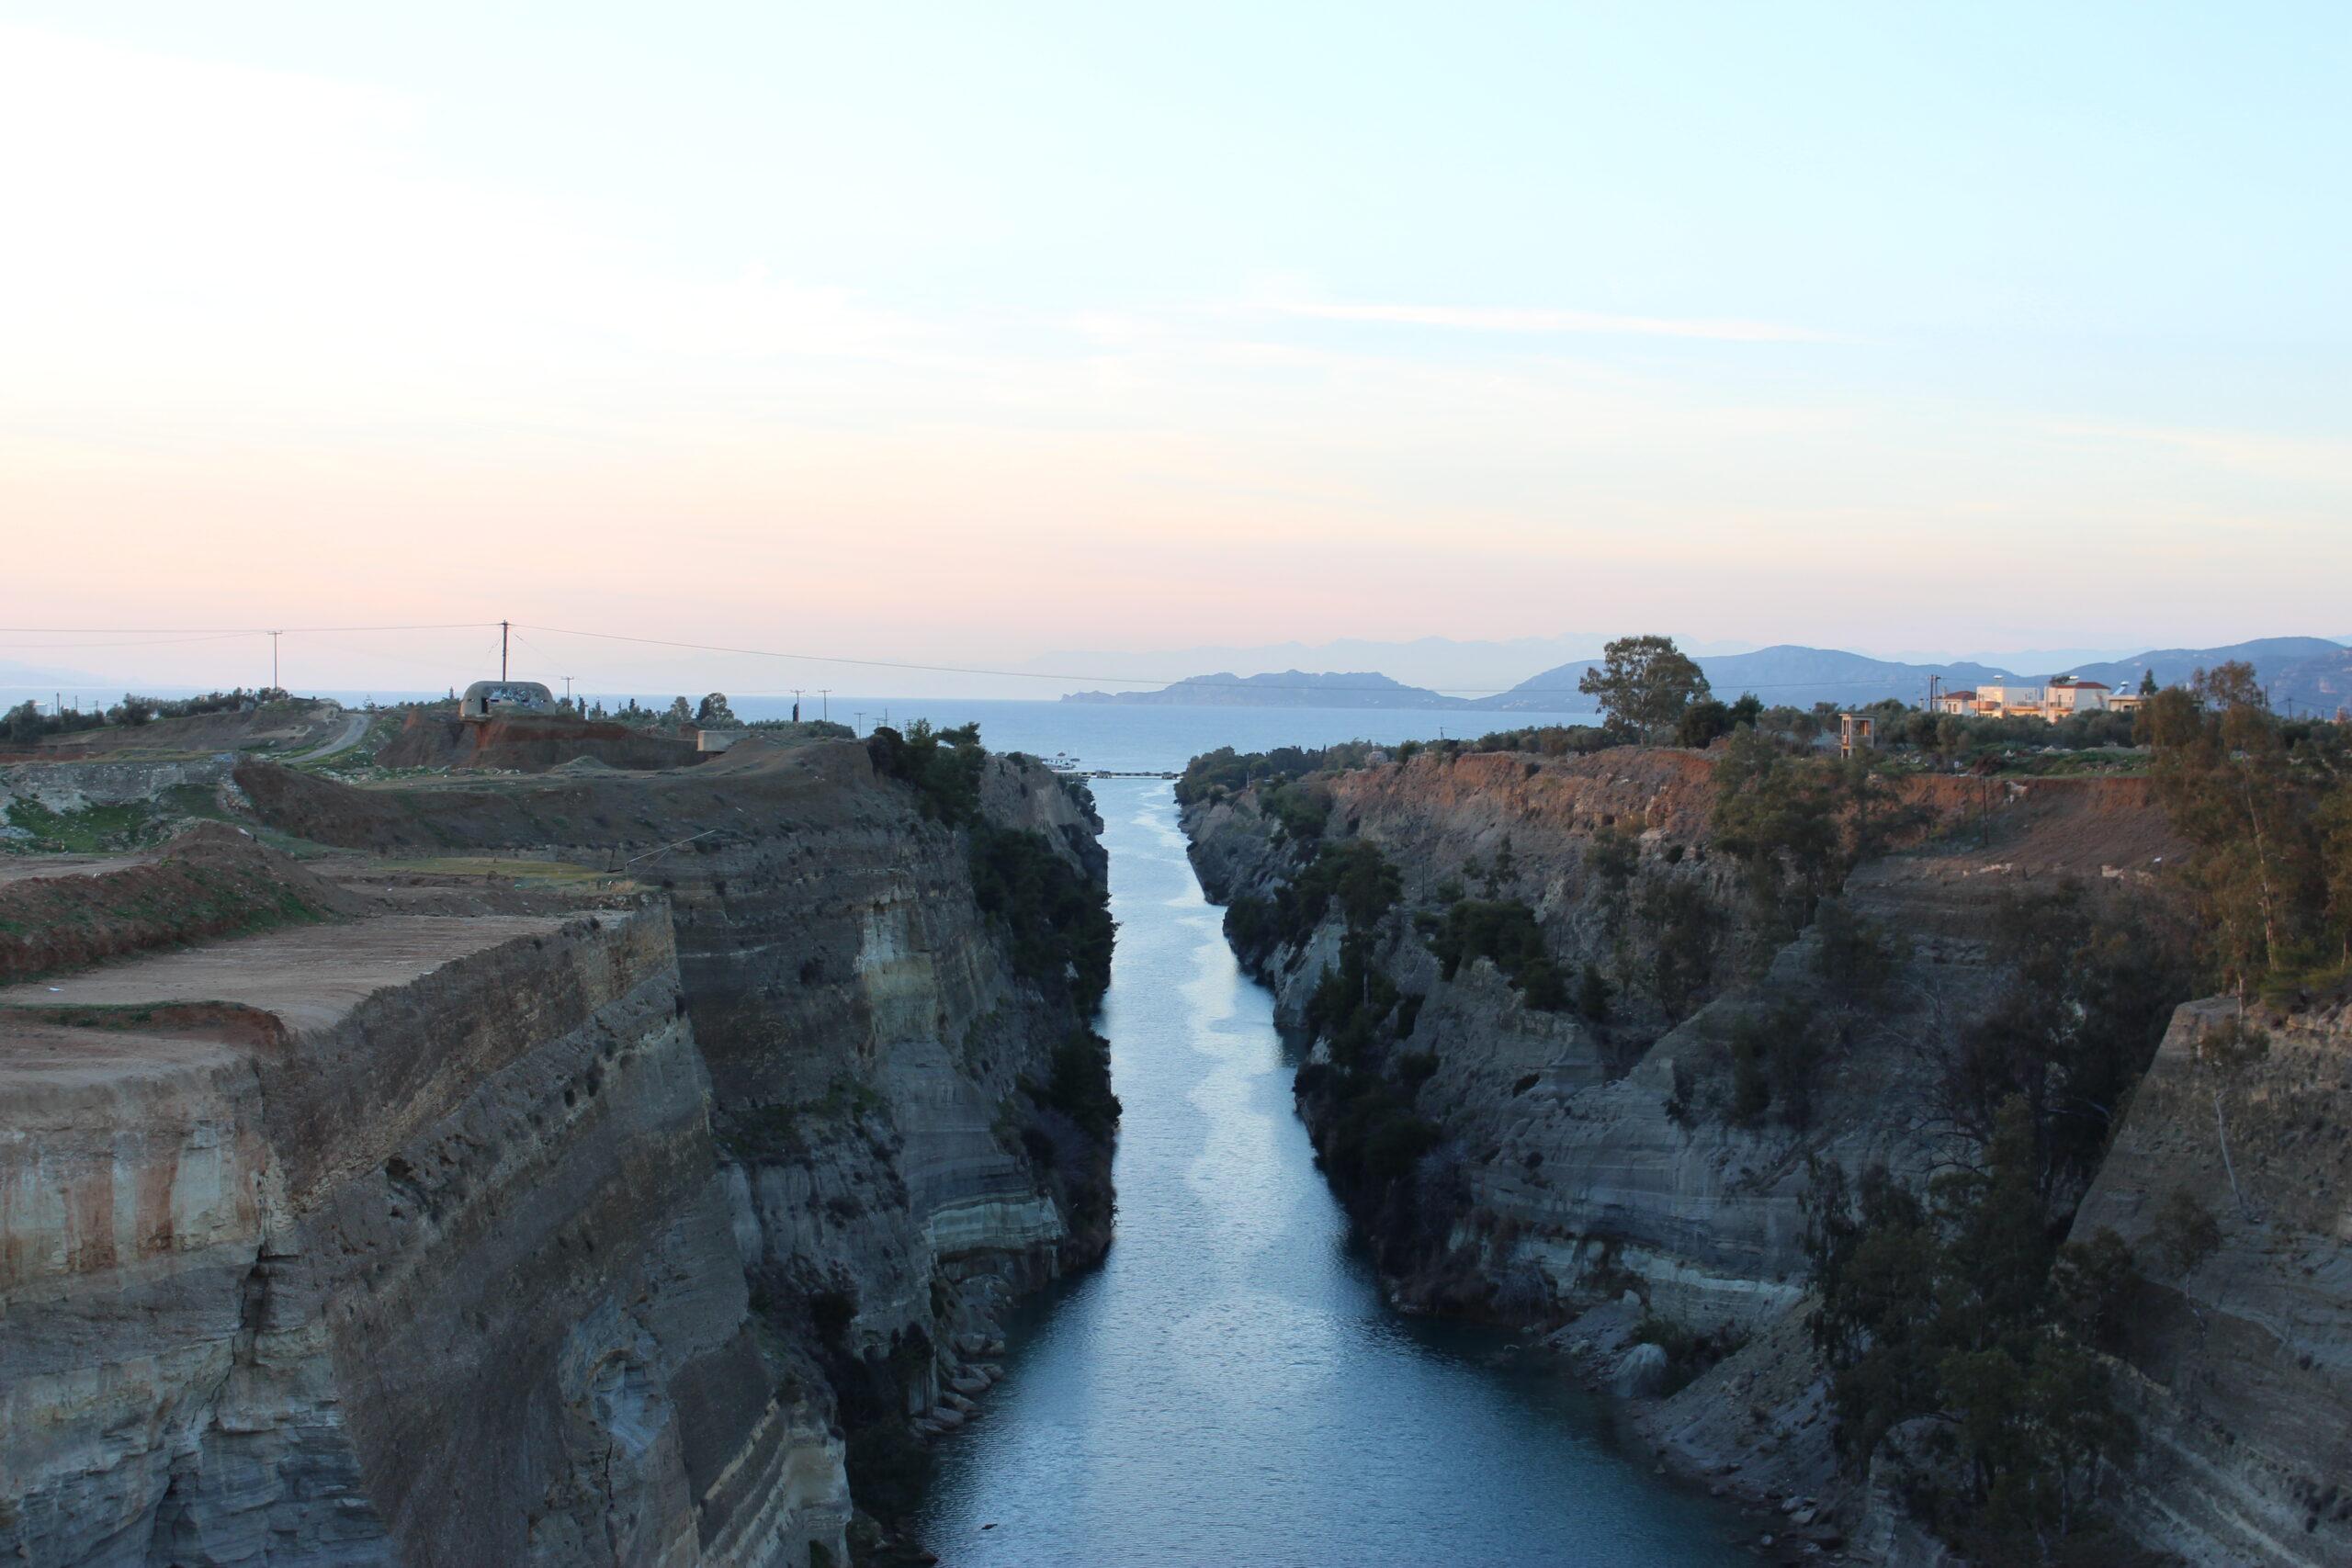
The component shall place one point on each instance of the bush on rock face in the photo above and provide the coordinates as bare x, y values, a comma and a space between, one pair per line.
1958, 1318
944, 766
1507, 931
1059, 919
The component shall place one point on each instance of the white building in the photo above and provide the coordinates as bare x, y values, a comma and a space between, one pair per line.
2008, 699
2067, 696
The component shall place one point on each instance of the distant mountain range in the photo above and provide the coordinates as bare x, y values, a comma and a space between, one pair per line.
1790, 674
2271, 657
1289, 689
2322, 685
2309, 671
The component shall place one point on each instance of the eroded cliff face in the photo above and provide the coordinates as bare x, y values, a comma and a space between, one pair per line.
1608, 1160
599, 1235
1598, 1137
2240, 1350
415, 1253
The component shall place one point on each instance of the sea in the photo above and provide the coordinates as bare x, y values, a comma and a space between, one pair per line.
1121, 738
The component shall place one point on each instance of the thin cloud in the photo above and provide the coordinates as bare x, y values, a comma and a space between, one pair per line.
2293, 459
1505, 319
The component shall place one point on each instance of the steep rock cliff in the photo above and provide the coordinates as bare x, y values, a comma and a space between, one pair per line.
884, 1076
263, 1261
1620, 1147
2240, 1348
634, 1233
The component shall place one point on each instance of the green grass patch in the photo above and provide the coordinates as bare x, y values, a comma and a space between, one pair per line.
97, 830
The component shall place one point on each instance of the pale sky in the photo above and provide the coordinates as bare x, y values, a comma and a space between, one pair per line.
959, 334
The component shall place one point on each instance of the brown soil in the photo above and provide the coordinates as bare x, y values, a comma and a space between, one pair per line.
2071, 826
308, 977
211, 881
529, 743
281, 729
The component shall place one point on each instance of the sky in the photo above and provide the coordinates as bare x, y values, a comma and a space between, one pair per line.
955, 335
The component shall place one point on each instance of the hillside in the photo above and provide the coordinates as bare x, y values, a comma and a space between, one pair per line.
2271, 657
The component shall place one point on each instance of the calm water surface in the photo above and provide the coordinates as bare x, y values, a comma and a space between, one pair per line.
1228, 1388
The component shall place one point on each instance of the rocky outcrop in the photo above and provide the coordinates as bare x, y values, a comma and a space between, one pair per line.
630, 1234
2240, 1345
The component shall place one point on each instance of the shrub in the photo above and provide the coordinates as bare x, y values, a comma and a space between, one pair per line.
1232, 772
1080, 1085
1300, 813
1508, 932
1956, 1309
1058, 919
1356, 874
2186, 1232
944, 766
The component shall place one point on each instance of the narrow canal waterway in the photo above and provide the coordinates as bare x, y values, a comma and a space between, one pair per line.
1228, 1389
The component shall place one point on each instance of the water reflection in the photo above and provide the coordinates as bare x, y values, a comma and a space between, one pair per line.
1228, 1388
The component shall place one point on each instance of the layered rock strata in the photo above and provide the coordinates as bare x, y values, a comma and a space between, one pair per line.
602, 1235
2241, 1361
397, 1240
1586, 1164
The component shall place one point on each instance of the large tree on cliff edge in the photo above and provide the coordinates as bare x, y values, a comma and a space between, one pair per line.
1644, 683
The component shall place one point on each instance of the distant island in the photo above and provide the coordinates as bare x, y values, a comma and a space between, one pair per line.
1289, 689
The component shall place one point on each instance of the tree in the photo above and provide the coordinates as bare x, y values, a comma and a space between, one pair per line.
2233, 787
1777, 815
714, 711
679, 712
1645, 683
1702, 723
1959, 1314
2093, 985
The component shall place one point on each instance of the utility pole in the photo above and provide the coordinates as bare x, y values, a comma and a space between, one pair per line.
273, 658
795, 704
860, 725
567, 691
825, 702
501, 650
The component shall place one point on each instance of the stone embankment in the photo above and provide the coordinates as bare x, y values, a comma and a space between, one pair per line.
608, 1216
1586, 1164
